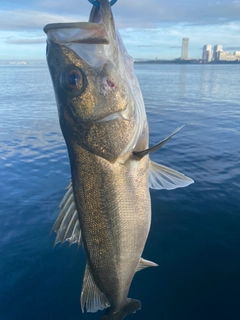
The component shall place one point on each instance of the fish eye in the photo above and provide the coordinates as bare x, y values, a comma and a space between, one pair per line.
73, 80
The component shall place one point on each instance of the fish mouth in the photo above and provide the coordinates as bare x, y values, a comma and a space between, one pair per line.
121, 115
77, 32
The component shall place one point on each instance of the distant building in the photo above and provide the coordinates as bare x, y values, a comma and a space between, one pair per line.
226, 56
237, 54
218, 54
185, 42
216, 51
207, 54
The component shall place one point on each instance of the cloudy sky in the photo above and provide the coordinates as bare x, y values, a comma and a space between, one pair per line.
149, 28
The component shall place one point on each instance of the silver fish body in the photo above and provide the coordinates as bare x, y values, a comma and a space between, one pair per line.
102, 116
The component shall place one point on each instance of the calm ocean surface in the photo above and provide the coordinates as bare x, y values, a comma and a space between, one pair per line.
195, 233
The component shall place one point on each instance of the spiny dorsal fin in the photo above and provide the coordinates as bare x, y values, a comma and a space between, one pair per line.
67, 224
141, 154
161, 177
91, 296
142, 264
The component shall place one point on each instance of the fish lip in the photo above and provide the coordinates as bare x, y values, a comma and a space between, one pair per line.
121, 115
116, 116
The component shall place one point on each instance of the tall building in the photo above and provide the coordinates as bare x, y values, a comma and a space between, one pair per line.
207, 54
217, 51
185, 42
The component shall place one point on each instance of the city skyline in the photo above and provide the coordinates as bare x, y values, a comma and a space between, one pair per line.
150, 30
218, 54
208, 53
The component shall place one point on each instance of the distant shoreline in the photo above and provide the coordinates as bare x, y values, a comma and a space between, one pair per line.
136, 61
193, 61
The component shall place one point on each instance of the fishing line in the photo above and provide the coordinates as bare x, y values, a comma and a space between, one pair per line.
97, 4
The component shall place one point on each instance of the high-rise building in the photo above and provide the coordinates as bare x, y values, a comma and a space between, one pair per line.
217, 51
207, 54
185, 42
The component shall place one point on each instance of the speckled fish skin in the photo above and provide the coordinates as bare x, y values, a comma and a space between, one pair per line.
103, 123
114, 206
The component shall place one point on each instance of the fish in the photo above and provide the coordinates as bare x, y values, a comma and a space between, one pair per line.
107, 205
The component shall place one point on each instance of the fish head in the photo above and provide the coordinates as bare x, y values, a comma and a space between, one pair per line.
91, 74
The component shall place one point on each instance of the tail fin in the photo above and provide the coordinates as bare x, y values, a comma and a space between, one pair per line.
131, 306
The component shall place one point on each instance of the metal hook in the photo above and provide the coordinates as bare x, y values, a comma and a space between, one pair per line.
97, 4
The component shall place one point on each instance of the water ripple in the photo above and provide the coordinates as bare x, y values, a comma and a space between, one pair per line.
195, 231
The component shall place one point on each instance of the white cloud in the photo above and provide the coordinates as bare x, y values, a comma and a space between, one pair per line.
165, 42
16, 20
150, 29
153, 13
136, 14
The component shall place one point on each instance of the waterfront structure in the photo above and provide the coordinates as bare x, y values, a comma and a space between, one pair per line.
185, 42
207, 54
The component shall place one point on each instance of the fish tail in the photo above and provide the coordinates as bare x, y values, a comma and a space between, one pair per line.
131, 306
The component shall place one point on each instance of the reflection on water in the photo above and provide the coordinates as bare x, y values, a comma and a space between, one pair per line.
182, 80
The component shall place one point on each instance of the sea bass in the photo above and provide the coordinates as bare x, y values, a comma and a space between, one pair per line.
102, 116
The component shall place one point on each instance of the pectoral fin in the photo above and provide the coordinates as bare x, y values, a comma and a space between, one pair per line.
91, 296
67, 226
141, 154
161, 177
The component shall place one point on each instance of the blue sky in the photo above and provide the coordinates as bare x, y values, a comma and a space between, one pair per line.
149, 28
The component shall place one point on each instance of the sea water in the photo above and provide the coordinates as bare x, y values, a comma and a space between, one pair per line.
195, 232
